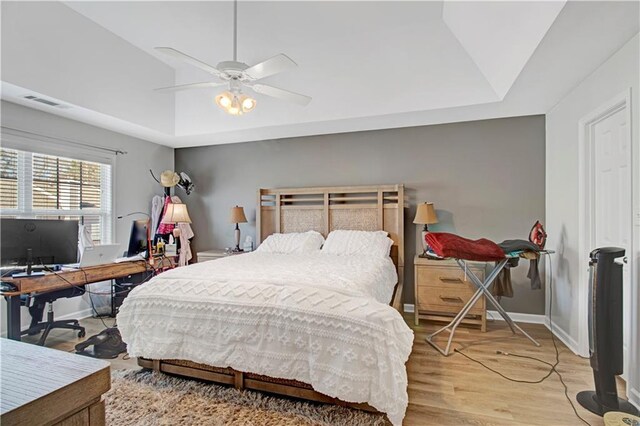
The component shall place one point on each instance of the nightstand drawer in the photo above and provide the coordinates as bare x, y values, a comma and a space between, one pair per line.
442, 289
440, 276
448, 299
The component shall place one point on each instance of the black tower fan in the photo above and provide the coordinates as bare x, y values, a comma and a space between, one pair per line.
605, 332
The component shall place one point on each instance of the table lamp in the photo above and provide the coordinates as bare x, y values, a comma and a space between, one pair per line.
176, 213
237, 216
425, 215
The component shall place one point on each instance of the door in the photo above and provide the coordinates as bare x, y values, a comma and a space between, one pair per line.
612, 207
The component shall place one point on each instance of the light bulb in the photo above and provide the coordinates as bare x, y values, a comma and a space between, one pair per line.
224, 100
248, 104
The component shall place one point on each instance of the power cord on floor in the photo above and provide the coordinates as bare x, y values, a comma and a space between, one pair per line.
552, 367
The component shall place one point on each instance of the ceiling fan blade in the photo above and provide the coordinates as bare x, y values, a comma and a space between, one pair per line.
282, 94
188, 59
271, 66
204, 85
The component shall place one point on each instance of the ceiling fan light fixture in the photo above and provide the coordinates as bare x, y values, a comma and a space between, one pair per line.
238, 75
236, 107
224, 100
248, 104
235, 104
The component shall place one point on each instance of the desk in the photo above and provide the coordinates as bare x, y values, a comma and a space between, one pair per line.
66, 279
49, 387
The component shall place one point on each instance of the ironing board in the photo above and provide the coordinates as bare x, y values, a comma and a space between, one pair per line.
482, 289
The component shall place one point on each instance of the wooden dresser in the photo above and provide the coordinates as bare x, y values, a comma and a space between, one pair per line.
442, 289
42, 386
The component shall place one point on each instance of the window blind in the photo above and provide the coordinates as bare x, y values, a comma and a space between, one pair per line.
8, 179
42, 186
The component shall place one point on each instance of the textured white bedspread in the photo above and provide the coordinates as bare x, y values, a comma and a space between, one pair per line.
317, 318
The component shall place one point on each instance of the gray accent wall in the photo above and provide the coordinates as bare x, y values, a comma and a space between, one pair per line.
486, 178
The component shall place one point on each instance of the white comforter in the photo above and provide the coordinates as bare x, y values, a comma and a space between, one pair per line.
317, 318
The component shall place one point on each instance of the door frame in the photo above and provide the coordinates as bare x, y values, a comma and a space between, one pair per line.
586, 222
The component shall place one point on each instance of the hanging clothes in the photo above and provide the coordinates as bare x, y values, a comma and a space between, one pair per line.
502, 285
165, 228
157, 208
186, 233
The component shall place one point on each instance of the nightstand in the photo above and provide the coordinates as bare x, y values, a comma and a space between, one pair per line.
203, 256
442, 289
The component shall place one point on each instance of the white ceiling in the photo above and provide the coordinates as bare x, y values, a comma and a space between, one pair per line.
367, 65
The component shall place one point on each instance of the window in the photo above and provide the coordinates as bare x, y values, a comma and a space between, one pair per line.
43, 186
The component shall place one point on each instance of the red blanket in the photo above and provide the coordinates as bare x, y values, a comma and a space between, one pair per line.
451, 245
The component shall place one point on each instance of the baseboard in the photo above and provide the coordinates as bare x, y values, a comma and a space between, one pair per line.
85, 313
516, 316
564, 337
634, 397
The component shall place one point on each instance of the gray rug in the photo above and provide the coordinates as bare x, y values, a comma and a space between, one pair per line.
140, 397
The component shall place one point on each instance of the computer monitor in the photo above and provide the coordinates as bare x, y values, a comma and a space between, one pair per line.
139, 238
26, 242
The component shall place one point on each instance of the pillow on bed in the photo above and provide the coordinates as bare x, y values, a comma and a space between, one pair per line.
370, 243
295, 242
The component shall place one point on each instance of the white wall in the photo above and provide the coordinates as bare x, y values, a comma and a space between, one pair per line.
133, 189
49, 48
616, 75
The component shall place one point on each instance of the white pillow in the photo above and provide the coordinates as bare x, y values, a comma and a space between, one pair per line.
370, 243
295, 242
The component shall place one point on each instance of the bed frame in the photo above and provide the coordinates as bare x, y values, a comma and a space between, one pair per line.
322, 209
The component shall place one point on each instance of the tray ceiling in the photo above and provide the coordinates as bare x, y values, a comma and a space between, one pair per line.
366, 64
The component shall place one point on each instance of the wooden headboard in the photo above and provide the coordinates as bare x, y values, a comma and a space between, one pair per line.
324, 209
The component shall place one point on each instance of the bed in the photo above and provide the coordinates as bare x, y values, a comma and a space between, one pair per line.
314, 326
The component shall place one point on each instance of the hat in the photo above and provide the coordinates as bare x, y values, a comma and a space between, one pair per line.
169, 178
186, 183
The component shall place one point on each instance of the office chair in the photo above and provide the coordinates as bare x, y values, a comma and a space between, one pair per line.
36, 304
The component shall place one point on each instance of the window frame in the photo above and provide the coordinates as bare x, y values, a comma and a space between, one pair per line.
36, 144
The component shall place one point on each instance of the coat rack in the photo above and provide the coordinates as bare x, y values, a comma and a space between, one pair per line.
167, 190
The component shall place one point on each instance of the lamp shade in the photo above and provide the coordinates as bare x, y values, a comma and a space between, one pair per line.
176, 213
425, 214
237, 215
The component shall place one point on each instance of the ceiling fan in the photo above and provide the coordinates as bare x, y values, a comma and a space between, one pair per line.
238, 76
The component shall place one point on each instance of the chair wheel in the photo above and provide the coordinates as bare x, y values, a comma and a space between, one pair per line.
81, 334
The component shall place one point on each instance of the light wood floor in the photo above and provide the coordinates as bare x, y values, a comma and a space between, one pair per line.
457, 391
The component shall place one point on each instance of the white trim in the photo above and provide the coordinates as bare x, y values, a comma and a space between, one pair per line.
85, 313
564, 337
621, 102
518, 317
79, 315
494, 315
634, 397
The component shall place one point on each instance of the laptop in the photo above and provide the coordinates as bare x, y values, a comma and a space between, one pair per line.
97, 255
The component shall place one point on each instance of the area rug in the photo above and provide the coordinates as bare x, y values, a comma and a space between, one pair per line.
142, 397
